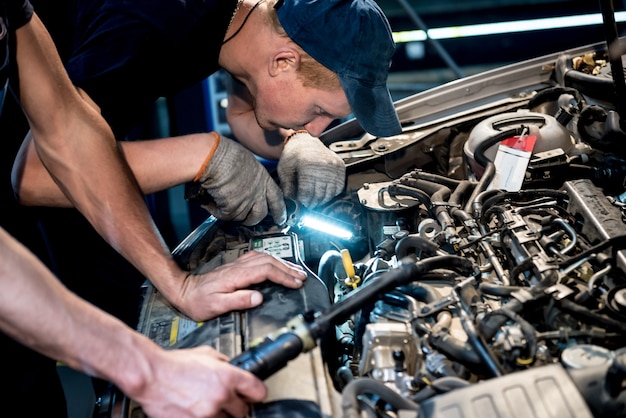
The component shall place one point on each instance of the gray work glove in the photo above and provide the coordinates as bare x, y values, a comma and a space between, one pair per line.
310, 172
240, 188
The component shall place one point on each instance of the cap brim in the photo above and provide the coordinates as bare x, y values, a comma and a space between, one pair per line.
372, 107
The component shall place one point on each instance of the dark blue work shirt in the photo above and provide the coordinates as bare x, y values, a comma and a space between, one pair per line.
127, 53
13, 15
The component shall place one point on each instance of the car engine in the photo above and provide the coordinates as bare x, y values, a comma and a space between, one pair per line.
476, 279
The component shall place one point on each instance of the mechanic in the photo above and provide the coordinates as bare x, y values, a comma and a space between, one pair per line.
115, 56
117, 60
36, 309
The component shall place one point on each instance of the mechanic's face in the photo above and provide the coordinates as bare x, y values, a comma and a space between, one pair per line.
294, 106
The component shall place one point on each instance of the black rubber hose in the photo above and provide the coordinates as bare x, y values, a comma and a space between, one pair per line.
474, 205
479, 153
350, 397
395, 190
553, 93
489, 326
422, 292
599, 88
475, 202
436, 178
461, 215
329, 263
460, 191
365, 295
429, 187
526, 265
406, 246
581, 313
442, 385
460, 352
498, 290
478, 343
438, 194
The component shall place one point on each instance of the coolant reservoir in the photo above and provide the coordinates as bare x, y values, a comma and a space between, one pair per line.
551, 134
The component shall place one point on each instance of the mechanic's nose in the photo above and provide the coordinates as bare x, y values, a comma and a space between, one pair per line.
317, 125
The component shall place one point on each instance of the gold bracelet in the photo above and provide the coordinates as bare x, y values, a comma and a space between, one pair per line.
207, 160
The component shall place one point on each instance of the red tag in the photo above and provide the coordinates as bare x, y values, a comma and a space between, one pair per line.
522, 143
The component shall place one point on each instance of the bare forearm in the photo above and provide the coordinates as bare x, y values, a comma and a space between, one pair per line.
156, 164
38, 311
78, 149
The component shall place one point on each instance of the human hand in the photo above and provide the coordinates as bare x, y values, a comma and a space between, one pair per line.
240, 188
309, 172
225, 288
197, 382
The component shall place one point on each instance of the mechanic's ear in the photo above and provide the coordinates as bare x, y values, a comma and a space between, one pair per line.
285, 59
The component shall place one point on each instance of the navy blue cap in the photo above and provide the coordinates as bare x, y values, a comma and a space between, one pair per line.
353, 39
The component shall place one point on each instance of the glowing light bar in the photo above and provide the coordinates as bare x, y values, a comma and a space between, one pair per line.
504, 27
328, 227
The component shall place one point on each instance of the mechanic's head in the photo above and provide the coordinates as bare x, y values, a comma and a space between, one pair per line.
309, 62
353, 39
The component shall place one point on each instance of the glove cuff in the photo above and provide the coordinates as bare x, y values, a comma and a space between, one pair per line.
207, 160
294, 133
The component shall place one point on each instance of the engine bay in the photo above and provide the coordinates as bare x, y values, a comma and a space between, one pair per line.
482, 266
